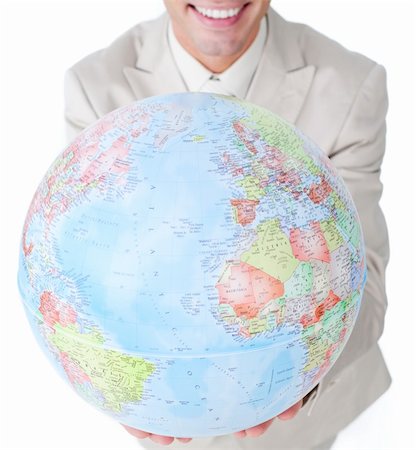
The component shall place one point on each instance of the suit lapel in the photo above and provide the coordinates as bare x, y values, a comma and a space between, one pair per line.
281, 93
282, 80
155, 72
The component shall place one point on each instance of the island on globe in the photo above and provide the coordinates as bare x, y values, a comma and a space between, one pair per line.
192, 265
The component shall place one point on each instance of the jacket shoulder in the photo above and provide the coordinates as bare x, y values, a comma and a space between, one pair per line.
329, 56
301, 45
107, 63
342, 77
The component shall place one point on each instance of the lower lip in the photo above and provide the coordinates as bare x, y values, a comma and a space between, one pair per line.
218, 23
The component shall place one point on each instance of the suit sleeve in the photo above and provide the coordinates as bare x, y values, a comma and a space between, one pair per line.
358, 155
79, 111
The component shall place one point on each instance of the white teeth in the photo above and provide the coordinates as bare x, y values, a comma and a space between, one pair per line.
218, 13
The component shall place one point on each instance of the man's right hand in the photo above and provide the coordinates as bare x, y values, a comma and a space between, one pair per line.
157, 438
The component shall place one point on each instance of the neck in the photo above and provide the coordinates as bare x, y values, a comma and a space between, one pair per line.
215, 64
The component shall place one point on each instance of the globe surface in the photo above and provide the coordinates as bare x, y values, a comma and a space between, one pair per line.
192, 265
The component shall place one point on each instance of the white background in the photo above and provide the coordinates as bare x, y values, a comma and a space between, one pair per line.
39, 40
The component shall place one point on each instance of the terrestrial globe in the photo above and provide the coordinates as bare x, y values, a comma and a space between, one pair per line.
192, 265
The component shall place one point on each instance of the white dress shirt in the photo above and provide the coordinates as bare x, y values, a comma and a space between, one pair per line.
234, 81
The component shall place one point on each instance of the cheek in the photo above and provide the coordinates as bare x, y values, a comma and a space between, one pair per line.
260, 8
177, 10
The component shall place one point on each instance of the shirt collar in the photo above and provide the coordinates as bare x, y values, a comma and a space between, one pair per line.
236, 79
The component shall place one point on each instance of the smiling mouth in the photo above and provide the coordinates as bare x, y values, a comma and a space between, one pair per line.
218, 14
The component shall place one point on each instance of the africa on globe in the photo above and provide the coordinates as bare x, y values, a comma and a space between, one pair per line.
192, 265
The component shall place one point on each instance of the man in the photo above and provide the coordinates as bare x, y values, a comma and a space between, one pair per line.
336, 97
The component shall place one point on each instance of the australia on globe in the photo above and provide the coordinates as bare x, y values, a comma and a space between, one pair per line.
192, 265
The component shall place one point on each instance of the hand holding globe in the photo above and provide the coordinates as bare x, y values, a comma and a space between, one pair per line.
193, 266
255, 431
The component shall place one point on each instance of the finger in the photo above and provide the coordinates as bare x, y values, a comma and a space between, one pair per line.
184, 440
162, 440
136, 433
258, 430
291, 412
240, 434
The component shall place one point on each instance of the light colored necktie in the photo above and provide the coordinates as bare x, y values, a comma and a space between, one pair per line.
215, 86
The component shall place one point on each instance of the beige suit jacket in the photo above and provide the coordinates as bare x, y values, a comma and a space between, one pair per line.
336, 97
